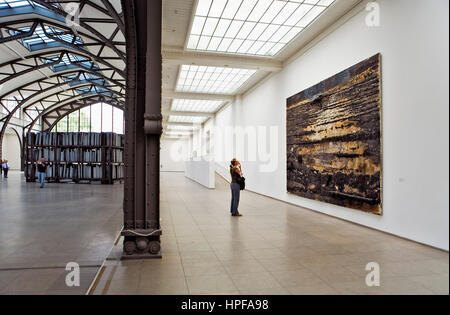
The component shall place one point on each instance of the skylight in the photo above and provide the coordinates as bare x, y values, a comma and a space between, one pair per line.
68, 62
251, 27
178, 133
180, 105
186, 119
39, 39
180, 128
15, 3
203, 79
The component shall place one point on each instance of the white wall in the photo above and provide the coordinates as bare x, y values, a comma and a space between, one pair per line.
201, 171
413, 41
11, 151
173, 155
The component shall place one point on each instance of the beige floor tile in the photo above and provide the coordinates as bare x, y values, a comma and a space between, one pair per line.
243, 266
210, 284
437, 283
162, 286
120, 285
404, 286
296, 278
333, 274
281, 264
252, 281
194, 269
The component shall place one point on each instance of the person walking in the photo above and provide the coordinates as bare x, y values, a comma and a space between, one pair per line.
236, 172
41, 168
5, 167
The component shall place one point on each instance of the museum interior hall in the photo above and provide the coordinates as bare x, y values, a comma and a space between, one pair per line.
224, 147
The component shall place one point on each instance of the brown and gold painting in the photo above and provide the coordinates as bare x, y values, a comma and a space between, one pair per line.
334, 139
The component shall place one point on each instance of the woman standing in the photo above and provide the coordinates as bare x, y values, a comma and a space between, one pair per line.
236, 172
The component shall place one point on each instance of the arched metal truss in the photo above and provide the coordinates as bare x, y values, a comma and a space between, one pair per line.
56, 60
91, 15
52, 118
37, 34
81, 41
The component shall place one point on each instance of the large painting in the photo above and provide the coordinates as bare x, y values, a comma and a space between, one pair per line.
334, 139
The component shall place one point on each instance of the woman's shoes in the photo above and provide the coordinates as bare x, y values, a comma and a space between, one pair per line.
236, 215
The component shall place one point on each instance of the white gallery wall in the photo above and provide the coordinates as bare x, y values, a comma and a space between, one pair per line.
173, 155
413, 40
11, 151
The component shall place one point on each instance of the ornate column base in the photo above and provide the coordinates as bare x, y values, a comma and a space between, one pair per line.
137, 245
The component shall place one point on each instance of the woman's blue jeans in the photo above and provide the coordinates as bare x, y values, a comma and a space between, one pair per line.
41, 179
235, 196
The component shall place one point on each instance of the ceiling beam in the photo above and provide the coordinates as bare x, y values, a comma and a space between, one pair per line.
220, 60
172, 94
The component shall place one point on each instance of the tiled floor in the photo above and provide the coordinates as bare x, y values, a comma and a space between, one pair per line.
275, 248
41, 230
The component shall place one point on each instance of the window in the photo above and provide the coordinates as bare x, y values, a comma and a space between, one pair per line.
98, 118
62, 126
107, 120
85, 119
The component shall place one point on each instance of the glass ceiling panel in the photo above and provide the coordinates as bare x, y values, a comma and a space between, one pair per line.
186, 119
16, 4
251, 27
39, 37
180, 128
67, 62
214, 80
181, 105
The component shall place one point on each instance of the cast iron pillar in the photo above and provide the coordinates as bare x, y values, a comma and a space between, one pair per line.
143, 121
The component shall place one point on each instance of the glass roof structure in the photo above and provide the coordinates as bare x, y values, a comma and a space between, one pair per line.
251, 27
86, 63
9, 4
40, 40
181, 105
218, 80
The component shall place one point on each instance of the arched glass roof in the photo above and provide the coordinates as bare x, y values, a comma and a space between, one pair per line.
54, 53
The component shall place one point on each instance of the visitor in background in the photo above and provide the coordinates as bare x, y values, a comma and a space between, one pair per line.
236, 172
5, 167
1, 168
41, 168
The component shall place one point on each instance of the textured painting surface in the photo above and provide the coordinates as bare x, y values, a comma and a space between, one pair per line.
334, 139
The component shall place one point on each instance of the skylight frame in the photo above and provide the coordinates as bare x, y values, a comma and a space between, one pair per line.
194, 120
212, 80
203, 106
68, 62
39, 39
11, 4
252, 27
